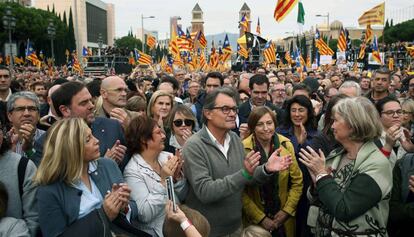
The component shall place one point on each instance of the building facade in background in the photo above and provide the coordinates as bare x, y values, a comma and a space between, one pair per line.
93, 20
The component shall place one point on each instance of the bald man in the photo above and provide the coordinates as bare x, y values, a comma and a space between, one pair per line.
114, 98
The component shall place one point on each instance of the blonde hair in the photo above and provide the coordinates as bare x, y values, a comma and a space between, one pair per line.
154, 98
64, 152
362, 116
255, 231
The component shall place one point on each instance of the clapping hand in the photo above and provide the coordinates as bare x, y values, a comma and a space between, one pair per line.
251, 161
315, 162
278, 163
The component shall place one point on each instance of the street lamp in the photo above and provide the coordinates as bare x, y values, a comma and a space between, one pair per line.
329, 26
51, 31
100, 43
142, 28
9, 23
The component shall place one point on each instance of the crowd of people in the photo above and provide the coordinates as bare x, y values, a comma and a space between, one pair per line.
265, 152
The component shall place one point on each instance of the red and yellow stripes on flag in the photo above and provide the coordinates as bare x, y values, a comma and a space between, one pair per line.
302, 61
18, 60
410, 50
202, 39
214, 57
362, 48
131, 59
202, 66
244, 23
288, 58
269, 53
165, 66
242, 51
151, 41
368, 34
283, 7
308, 62
76, 65
323, 47
374, 16
342, 41
144, 58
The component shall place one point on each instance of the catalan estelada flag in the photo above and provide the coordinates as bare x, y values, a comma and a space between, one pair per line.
322, 46
202, 39
368, 34
242, 51
283, 7
374, 16
342, 41
142, 58
244, 23
375, 51
362, 48
269, 52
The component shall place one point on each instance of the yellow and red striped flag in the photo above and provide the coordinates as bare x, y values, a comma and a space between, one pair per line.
244, 23
242, 51
323, 47
214, 57
203, 64
288, 58
410, 50
202, 39
142, 58
131, 59
391, 64
374, 16
361, 54
151, 41
375, 51
269, 52
283, 7
368, 34
342, 41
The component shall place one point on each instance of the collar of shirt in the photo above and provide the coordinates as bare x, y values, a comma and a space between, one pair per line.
174, 142
223, 148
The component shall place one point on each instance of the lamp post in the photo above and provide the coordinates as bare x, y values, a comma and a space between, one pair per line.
100, 43
329, 26
9, 23
142, 29
51, 31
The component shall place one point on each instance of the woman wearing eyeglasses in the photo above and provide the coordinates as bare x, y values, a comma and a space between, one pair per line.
392, 136
181, 125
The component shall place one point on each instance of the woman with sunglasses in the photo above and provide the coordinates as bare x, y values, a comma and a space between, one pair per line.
181, 125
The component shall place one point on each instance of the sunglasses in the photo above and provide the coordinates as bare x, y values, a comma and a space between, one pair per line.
186, 122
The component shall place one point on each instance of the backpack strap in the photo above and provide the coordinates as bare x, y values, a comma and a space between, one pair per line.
21, 172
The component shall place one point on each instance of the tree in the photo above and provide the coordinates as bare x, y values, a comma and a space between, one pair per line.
71, 33
333, 44
392, 23
303, 47
400, 32
387, 25
65, 20
313, 54
128, 43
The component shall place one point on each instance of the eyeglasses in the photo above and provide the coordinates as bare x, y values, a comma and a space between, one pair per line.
182, 122
407, 112
23, 108
393, 112
411, 85
227, 109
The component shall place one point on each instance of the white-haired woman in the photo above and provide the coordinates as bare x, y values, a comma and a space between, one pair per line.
351, 186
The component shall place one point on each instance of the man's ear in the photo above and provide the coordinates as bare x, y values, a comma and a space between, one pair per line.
207, 114
104, 93
65, 110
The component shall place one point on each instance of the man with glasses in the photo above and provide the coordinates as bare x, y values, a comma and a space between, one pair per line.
216, 166
278, 93
114, 98
23, 113
5, 80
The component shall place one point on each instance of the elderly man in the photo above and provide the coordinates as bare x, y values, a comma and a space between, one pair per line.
23, 113
216, 169
278, 93
350, 88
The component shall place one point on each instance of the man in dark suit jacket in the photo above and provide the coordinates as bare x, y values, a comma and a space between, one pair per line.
73, 99
259, 87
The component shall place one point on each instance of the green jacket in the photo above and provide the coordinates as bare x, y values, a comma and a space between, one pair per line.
354, 201
290, 188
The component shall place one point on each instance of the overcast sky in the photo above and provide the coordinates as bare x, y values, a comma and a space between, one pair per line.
222, 15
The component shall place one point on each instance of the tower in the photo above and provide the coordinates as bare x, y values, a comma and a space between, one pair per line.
244, 11
197, 22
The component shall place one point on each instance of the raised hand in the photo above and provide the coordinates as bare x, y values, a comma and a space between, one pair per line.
303, 134
112, 205
122, 116
178, 174
278, 163
244, 131
169, 168
315, 162
117, 152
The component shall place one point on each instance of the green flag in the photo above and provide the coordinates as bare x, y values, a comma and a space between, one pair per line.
301, 13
